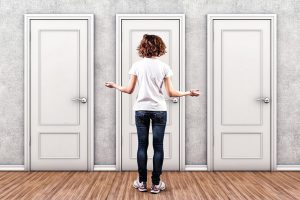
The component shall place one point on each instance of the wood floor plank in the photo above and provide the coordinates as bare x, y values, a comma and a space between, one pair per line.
51, 184
283, 188
252, 190
204, 189
231, 190
179, 185
102, 185
224, 189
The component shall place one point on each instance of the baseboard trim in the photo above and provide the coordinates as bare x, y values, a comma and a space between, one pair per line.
105, 168
288, 168
114, 168
12, 168
195, 168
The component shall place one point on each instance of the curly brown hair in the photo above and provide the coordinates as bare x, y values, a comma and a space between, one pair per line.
150, 46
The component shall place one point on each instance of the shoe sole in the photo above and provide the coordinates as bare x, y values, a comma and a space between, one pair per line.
158, 191
141, 190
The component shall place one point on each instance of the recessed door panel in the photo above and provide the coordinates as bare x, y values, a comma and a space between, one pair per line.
237, 65
55, 107
132, 32
59, 145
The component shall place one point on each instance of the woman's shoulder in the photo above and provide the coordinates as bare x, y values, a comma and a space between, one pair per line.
163, 64
146, 61
160, 62
139, 62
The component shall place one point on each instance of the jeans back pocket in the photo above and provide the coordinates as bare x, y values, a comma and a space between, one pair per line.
160, 117
140, 118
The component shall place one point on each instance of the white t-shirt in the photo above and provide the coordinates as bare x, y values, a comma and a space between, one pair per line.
150, 73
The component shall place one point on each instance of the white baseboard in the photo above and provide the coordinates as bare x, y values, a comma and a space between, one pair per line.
288, 168
195, 167
12, 168
105, 168
114, 168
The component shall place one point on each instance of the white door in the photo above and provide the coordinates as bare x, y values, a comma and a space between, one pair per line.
59, 62
132, 32
241, 84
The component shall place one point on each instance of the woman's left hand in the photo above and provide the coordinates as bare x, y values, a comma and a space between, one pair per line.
194, 92
110, 84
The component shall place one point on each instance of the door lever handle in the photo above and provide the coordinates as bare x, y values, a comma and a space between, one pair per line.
265, 99
82, 100
174, 100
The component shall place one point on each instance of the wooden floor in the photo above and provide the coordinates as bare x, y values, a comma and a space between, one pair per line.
180, 185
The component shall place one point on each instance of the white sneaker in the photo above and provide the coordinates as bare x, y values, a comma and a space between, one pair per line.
157, 188
141, 186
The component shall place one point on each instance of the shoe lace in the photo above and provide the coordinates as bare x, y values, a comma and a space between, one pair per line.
154, 187
144, 185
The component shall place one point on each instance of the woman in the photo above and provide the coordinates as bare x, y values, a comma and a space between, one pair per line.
150, 73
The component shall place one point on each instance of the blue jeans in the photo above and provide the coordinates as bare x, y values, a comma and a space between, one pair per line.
142, 121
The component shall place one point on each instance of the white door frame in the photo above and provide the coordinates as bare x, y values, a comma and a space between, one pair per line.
210, 78
119, 18
27, 114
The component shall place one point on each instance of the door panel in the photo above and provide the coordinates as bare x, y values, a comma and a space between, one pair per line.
132, 33
51, 75
241, 57
238, 65
58, 74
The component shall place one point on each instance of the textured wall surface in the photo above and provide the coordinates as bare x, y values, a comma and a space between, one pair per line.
11, 69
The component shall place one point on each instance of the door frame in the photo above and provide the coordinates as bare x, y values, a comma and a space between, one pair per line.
27, 79
119, 18
210, 78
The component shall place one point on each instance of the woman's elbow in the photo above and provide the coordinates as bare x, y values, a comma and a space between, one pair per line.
170, 93
130, 91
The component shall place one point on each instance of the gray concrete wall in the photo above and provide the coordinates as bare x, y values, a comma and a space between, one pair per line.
11, 69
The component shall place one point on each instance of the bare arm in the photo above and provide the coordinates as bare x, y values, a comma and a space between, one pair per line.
126, 89
175, 93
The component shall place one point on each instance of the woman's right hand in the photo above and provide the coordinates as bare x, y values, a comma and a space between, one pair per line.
110, 84
194, 92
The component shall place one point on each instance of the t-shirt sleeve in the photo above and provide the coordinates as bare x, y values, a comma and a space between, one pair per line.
168, 71
132, 70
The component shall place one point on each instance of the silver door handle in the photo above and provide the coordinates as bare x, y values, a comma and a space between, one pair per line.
174, 100
265, 100
82, 100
